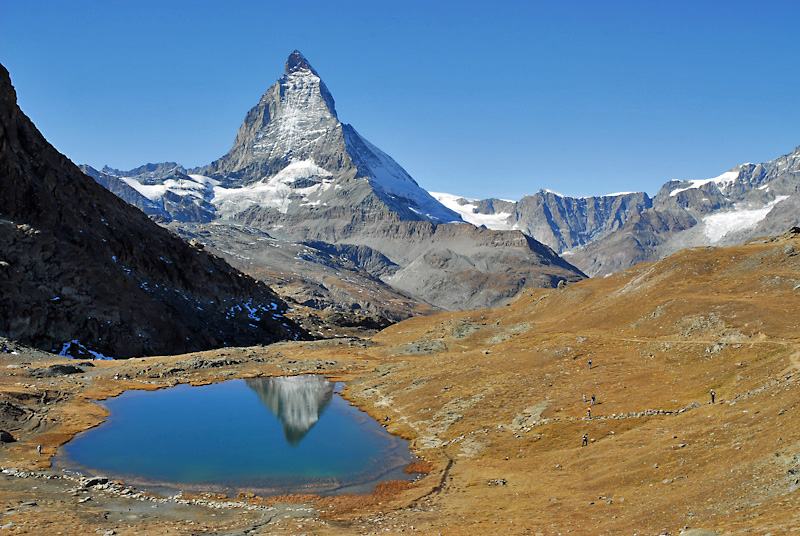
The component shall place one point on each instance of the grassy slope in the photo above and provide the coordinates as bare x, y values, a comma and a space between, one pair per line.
494, 399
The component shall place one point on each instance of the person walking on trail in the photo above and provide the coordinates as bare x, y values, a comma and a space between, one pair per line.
585, 440
590, 364
584, 399
39, 450
589, 413
713, 395
593, 400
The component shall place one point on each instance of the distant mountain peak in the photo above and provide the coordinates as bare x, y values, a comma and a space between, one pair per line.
298, 62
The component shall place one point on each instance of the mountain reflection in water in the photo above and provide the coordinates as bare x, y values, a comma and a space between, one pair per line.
297, 401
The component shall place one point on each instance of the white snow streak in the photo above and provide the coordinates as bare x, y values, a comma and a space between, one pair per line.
199, 186
723, 180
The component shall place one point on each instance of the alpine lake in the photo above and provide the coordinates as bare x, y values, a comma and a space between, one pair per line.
268, 436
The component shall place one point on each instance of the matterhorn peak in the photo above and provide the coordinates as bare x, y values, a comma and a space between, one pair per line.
297, 62
293, 144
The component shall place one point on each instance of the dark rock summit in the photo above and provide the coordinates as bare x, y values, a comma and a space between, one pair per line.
296, 61
84, 273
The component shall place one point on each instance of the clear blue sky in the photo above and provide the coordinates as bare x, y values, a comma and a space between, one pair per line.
482, 99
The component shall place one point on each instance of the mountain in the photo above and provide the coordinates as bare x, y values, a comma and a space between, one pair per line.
748, 201
556, 220
300, 175
335, 278
83, 273
165, 194
292, 155
606, 234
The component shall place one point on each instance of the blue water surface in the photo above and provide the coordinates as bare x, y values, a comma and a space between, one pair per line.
266, 435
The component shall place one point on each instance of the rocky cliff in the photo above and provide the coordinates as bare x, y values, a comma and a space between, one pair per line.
748, 201
82, 272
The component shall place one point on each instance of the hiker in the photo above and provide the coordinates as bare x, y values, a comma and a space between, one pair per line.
584, 399
590, 364
713, 395
585, 440
39, 450
593, 400
589, 413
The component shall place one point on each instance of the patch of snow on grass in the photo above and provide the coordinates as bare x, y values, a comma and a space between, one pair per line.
718, 225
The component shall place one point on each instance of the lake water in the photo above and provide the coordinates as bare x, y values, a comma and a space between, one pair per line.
291, 434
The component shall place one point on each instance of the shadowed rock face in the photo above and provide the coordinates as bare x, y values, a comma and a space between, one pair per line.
297, 401
80, 269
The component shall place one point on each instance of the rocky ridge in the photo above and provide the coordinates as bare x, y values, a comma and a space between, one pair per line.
83, 273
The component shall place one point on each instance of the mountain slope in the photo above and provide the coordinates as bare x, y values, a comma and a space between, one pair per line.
83, 271
497, 403
555, 220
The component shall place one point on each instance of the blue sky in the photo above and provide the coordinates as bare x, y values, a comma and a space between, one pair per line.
482, 99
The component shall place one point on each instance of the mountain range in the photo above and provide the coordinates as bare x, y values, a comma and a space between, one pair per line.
307, 182
298, 176
606, 234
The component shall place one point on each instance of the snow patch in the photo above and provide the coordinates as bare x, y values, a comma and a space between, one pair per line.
276, 192
716, 226
722, 181
549, 191
469, 212
198, 186
67, 346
